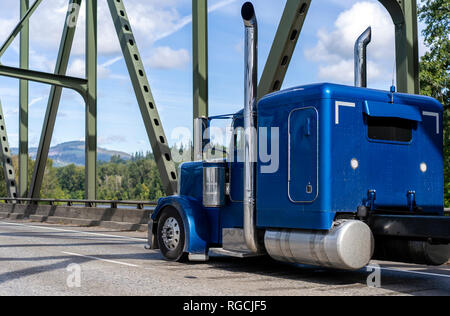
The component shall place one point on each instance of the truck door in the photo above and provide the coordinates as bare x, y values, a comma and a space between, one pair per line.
303, 155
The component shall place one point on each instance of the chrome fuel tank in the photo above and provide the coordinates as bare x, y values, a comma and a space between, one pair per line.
349, 245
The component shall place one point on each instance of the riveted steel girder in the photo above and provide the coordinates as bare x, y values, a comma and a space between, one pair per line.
144, 97
283, 46
8, 168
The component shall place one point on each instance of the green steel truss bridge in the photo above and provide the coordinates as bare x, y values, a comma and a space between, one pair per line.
403, 13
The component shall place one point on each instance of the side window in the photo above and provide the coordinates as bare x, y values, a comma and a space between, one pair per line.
218, 136
390, 129
239, 144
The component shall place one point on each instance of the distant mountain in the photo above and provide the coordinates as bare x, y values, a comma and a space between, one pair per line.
73, 153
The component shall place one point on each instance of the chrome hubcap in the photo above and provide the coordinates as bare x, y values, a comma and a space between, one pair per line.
171, 233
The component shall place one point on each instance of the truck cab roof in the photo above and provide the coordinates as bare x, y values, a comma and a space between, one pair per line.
336, 91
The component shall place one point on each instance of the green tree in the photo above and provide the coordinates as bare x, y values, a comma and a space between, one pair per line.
71, 181
434, 68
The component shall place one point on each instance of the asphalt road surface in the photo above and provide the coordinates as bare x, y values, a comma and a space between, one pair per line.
41, 259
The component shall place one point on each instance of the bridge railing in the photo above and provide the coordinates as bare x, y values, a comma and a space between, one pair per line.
86, 203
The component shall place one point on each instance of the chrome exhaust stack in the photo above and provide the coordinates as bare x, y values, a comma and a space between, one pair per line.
250, 125
361, 58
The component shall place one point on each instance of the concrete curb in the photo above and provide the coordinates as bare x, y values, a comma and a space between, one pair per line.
118, 219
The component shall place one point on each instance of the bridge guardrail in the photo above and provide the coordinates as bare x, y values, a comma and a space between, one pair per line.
87, 203
92, 203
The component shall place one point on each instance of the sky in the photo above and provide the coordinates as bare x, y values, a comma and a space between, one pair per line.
163, 31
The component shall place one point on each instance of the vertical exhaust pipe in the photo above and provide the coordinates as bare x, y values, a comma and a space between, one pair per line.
361, 58
250, 124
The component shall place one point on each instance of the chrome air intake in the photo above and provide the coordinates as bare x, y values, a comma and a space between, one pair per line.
250, 124
349, 245
361, 58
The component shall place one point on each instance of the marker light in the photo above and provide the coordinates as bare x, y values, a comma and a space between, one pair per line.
355, 164
423, 167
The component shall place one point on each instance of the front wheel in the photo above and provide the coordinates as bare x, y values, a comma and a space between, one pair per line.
171, 235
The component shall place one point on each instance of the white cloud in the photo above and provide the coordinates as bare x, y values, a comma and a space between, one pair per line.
167, 58
343, 71
35, 100
112, 139
78, 68
334, 49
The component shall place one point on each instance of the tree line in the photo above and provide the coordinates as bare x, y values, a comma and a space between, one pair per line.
435, 68
136, 179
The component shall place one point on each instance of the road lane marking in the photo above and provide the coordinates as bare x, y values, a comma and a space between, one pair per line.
413, 272
100, 259
74, 231
145, 240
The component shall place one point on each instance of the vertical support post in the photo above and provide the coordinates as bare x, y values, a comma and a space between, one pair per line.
412, 46
91, 101
54, 99
200, 67
283, 46
8, 168
404, 16
147, 105
23, 103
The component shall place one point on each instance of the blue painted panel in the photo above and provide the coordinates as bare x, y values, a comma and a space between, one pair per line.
392, 169
382, 109
274, 208
303, 155
191, 180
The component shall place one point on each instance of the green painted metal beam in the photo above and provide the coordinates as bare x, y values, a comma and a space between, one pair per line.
8, 168
412, 46
149, 112
404, 16
23, 102
19, 27
91, 101
200, 67
77, 84
283, 46
54, 99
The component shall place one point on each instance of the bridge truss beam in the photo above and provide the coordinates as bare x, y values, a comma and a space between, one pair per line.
23, 102
283, 47
54, 99
8, 168
404, 16
147, 104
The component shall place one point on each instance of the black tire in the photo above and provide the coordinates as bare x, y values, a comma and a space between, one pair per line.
171, 235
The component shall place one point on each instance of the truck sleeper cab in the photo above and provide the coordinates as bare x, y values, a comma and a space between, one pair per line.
354, 174
347, 157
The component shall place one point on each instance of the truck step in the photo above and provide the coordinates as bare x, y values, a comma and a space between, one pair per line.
235, 254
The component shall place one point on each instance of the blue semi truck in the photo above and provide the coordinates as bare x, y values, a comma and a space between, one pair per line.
358, 176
